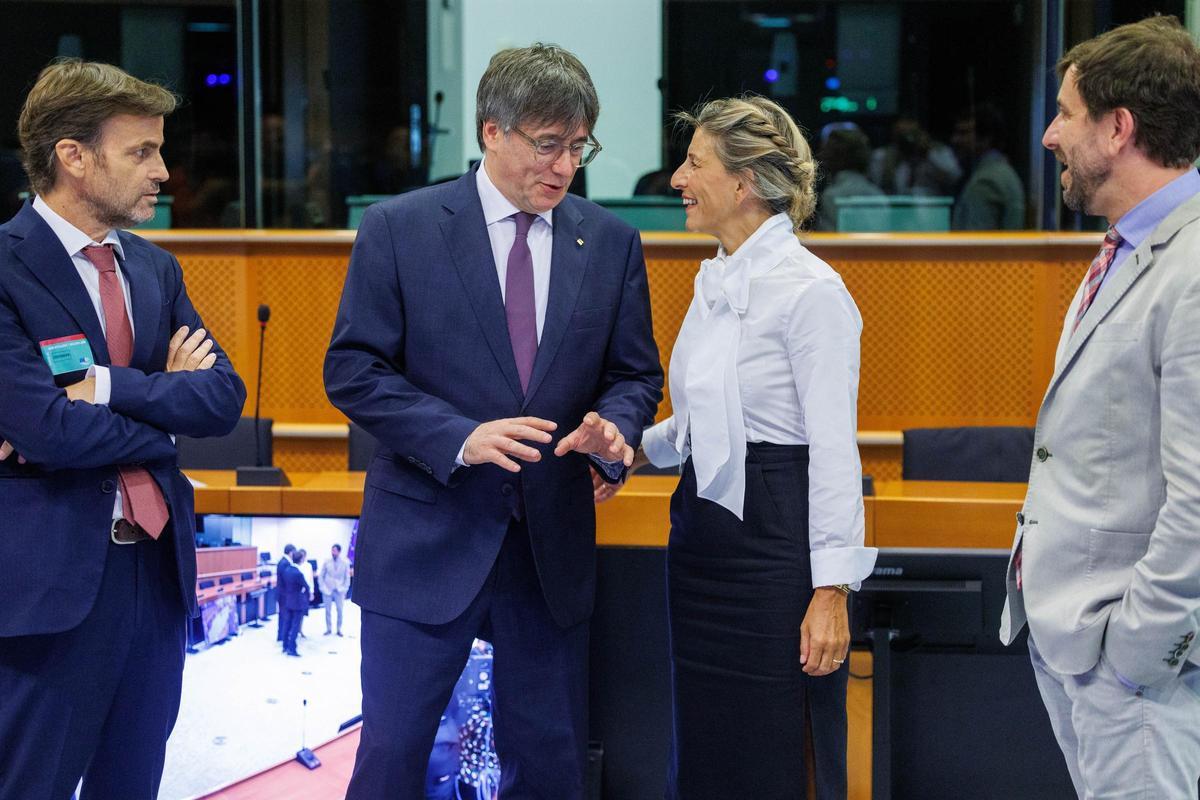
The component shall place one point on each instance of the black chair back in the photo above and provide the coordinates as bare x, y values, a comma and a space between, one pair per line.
361, 448
997, 454
228, 452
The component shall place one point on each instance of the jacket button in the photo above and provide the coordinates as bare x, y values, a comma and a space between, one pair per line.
1189, 637
1172, 662
1042, 454
507, 490
1020, 518
107, 487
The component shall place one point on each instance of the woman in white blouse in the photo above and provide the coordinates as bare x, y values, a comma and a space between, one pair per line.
767, 522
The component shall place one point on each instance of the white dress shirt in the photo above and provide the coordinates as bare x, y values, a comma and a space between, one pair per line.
769, 352
498, 213
74, 240
502, 232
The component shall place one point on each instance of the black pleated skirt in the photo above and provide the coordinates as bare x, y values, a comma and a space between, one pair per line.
738, 591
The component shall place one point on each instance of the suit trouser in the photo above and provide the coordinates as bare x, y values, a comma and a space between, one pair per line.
99, 700
291, 630
1120, 741
331, 599
540, 682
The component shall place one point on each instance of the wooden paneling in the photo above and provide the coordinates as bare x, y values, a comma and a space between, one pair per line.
958, 329
225, 559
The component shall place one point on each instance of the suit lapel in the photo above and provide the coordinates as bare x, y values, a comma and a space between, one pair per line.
144, 298
1138, 262
466, 236
568, 262
43, 254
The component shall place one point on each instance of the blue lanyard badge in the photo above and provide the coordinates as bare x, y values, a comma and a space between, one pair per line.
67, 354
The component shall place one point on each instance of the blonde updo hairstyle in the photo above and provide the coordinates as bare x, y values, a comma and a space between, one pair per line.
756, 137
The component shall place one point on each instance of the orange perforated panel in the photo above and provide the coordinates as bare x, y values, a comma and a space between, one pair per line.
310, 455
881, 462
953, 335
944, 342
216, 284
672, 282
303, 290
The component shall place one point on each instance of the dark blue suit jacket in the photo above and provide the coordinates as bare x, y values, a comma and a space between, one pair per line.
420, 357
292, 588
58, 507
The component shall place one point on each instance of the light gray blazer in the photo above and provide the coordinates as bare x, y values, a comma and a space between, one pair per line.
1110, 528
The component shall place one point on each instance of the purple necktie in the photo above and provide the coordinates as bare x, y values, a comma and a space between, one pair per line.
519, 305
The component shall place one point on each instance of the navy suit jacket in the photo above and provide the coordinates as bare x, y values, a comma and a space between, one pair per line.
58, 507
293, 589
420, 356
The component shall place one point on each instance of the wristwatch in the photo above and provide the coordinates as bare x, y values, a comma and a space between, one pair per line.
844, 588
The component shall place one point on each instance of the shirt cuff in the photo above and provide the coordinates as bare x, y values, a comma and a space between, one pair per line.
103, 389
832, 566
658, 447
613, 469
458, 459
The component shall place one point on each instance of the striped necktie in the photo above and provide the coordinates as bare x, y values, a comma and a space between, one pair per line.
1096, 273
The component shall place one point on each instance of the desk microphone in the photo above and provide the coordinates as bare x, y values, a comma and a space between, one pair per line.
260, 474
305, 756
264, 316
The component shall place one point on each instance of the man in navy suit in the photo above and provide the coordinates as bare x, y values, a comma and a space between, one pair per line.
288, 549
102, 359
494, 335
293, 600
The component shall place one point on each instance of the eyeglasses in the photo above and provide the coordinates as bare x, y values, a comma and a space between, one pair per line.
547, 151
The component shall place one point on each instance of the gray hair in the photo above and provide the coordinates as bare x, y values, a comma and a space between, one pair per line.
757, 137
540, 84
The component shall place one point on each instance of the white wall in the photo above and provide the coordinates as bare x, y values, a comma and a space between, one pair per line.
314, 534
620, 43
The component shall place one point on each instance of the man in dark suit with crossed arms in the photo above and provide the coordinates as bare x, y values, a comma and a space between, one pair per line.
481, 321
102, 359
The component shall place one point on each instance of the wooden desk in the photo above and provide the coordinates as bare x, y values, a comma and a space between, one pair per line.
944, 514
900, 514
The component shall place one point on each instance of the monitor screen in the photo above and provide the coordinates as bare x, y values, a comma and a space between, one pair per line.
225, 579
934, 597
220, 618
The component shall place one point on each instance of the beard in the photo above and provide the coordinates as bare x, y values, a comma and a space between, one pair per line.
1088, 174
114, 204
116, 210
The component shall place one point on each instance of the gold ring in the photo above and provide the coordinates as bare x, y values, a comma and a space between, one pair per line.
839, 661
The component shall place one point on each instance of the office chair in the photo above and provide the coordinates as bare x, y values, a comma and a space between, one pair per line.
228, 452
985, 453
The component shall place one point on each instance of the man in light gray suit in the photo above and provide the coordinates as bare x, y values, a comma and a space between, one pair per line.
1106, 562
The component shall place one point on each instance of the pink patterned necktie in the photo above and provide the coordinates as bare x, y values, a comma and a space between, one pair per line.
1096, 273
142, 501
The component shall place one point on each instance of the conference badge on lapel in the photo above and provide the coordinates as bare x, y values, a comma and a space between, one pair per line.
68, 357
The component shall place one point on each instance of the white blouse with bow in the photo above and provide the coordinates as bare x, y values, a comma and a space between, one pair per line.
769, 352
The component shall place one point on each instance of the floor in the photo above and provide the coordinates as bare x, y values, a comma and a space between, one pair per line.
243, 707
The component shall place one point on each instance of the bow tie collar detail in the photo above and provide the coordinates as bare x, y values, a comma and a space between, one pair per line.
705, 378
